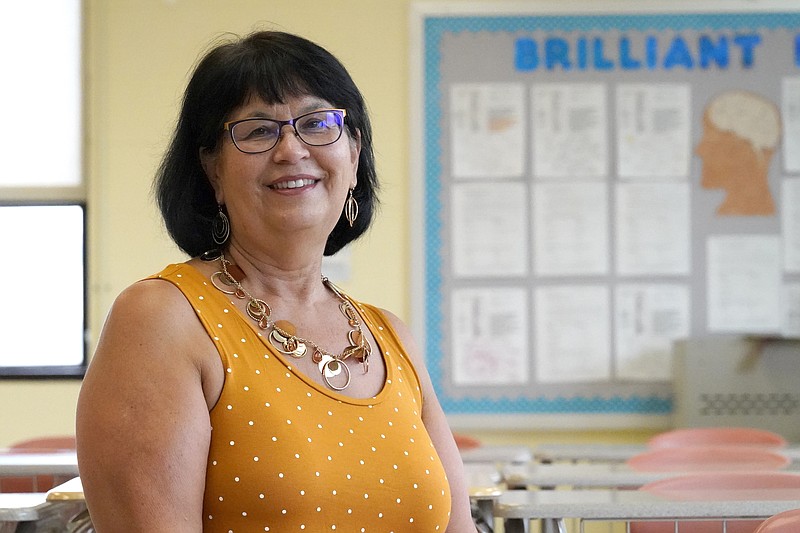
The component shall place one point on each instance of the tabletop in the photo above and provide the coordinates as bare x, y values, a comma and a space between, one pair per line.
610, 453
21, 507
583, 475
610, 504
497, 453
32, 464
69, 490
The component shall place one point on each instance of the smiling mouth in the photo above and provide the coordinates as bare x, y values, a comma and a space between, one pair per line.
293, 184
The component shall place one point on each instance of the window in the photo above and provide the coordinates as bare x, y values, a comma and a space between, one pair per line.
42, 194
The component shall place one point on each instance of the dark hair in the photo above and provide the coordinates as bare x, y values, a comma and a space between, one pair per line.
273, 66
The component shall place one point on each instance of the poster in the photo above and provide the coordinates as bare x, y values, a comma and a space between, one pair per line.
632, 172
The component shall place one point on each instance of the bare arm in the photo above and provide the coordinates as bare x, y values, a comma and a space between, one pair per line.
142, 422
436, 423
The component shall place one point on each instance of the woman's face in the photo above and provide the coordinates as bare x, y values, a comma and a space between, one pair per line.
290, 188
725, 155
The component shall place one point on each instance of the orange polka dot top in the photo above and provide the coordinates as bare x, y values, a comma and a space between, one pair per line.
287, 454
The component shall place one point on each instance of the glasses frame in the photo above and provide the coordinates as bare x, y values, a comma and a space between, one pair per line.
228, 126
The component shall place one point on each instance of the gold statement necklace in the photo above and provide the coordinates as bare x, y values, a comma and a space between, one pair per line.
283, 334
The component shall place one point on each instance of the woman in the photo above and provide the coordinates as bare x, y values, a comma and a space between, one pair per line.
240, 391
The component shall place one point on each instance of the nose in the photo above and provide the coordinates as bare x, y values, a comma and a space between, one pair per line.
700, 147
289, 143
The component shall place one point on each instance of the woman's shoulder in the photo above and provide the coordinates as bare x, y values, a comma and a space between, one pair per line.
387, 317
396, 327
151, 299
151, 318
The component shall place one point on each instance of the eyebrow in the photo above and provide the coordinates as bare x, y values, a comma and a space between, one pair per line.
311, 107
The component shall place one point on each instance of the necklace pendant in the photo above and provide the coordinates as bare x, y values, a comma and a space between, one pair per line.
349, 312
259, 311
291, 345
367, 351
349, 352
317, 357
288, 345
235, 272
361, 355
299, 348
286, 328
219, 281
339, 366
355, 337
330, 366
361, 348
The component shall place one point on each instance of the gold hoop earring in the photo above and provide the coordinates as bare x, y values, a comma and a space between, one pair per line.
351, 209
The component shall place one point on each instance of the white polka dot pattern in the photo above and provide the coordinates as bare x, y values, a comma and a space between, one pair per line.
289, 455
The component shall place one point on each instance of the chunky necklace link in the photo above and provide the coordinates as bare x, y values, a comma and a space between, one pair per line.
283, 334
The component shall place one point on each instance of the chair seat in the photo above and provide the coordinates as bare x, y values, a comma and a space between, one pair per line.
706, 458
717, 436
785, 522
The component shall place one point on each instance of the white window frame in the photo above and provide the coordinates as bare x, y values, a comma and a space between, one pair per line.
46, 99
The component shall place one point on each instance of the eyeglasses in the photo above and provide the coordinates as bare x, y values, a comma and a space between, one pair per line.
256, 135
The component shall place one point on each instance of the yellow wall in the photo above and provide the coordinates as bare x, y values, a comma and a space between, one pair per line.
138, 54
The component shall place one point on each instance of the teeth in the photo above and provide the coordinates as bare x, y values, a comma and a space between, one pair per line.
293, 184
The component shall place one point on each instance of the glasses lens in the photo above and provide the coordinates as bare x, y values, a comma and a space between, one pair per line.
255, 135
320, 128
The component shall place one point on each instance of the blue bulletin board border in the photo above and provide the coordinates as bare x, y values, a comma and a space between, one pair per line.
434, 28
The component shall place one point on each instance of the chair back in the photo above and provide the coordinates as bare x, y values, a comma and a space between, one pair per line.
785, 522
717, 436
46, 444
708, 458
720, 486
465, 442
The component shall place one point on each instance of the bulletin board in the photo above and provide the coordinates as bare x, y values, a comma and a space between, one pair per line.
592, 183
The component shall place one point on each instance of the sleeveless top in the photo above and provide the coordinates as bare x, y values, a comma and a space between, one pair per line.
287, 454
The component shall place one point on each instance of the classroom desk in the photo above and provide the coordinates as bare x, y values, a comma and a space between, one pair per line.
552, 507
498, 453
36, 513
485, 485
20, 507
583, 475
613, 453
34, 464
71, 490
602, 453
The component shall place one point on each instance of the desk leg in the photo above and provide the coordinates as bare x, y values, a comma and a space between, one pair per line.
522, 525
483, 514
553, 525
516, 525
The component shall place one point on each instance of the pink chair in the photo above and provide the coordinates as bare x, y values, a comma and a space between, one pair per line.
720, 486
465, 442
42, 483
785, 522
45, 444
718, 436
707, 458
